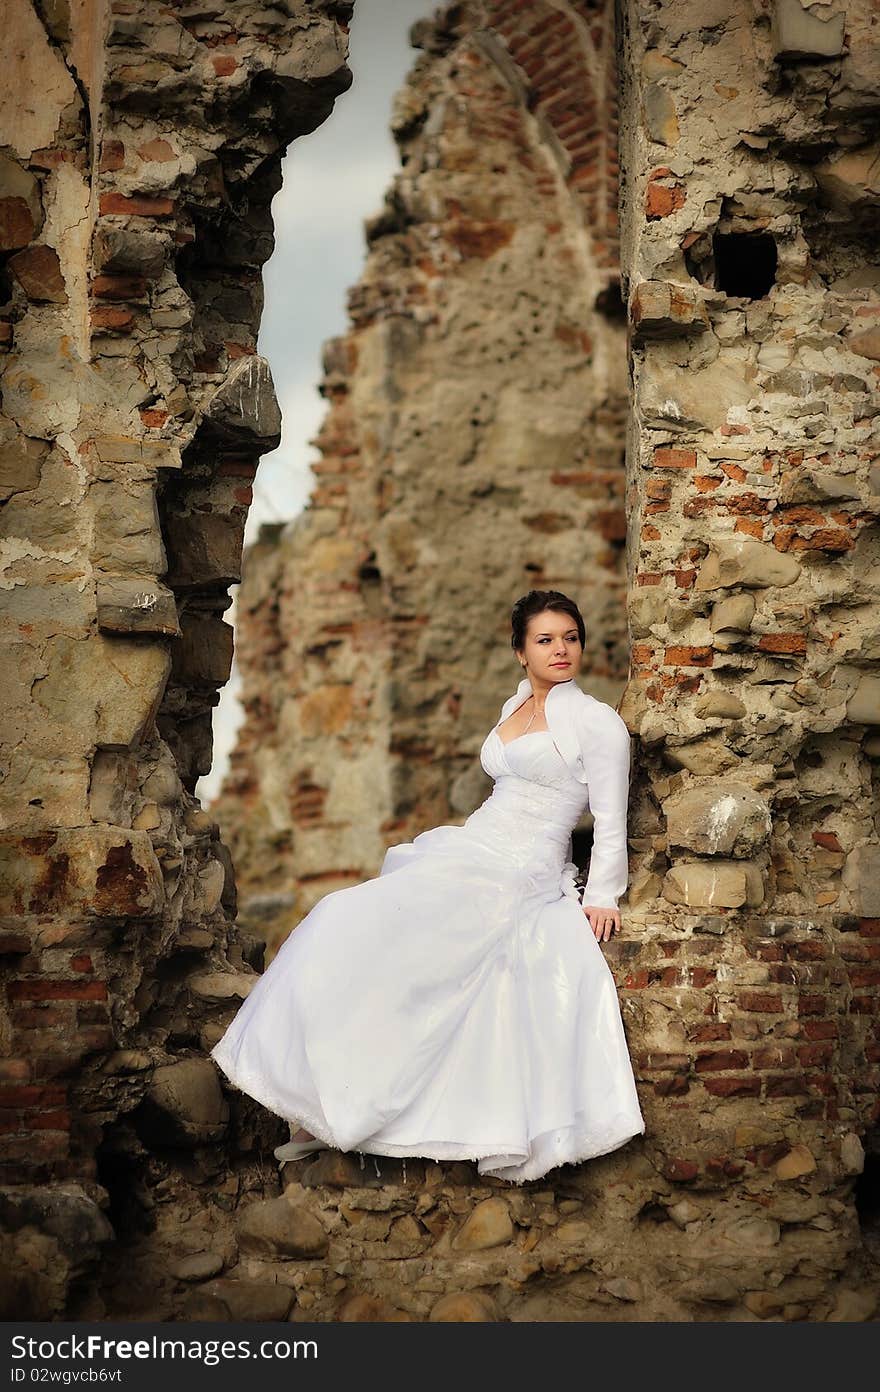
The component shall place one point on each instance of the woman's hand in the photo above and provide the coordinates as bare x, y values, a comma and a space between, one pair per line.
603, 922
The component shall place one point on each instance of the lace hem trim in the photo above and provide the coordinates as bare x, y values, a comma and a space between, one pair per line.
508, 1162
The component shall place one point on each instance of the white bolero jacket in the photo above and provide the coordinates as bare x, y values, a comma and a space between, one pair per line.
595, 744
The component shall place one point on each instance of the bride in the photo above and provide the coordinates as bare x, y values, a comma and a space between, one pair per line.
459, 1005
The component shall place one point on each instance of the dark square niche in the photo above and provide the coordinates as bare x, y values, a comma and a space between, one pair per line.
745, 263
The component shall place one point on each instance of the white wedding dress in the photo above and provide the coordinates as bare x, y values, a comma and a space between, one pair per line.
458, 1005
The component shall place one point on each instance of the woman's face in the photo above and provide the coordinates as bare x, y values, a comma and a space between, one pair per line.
553, 649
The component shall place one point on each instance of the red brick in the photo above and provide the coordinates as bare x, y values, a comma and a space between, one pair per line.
766, 951
864, 976
705, 1034
732, 1087
111, 317
13, 944
685, 656
811, 950
17, 226
56, 990
112, 155
674, 1086
864, 1005
679, 1170
138, 206
755, 1001
789, 1086
118, 287
820, 1029
828, 840
775, 1056
869, 927
30, 1095
812, 1005
667, 457
794, 643
15, 1070
38, 271
59, 1120
721, 1060
660, 201
224, 64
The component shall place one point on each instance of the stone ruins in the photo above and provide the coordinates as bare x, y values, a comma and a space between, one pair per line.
617, 334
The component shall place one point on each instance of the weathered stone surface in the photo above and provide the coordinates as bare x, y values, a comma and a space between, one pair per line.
796, 32
863, 707
466, 1307
201, 1266
101, 870
488, 1226
662, 309
751, 563
184, 1105
136, 604
720, 817
245, 1300
722, 884
278, 1228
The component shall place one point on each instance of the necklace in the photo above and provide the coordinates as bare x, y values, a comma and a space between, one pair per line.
535, 712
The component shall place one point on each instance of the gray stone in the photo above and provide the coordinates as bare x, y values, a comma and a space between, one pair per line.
736, 613
184, 1105
201, 1266
277, 1228
246, 404
736, 561
719, 705
861, 875
136, 604
489, 1225
796, 33
249, 1300
720, 817
719, 884
664, 309
464, 1307
127, 538
863, 706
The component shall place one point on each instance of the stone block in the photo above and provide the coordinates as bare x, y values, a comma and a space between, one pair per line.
245, 407
664, 309
21, 459
278, 1229
861, 875
754, 564
183, 1106
135, 604
717, 817
127, 533
489, 1225
204, 548
735, 613
203, 652
38, 271
797, 33
863, 706
100, 870
717, 884
104, 691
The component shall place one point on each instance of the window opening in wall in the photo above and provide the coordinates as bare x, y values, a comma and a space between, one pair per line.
745, 263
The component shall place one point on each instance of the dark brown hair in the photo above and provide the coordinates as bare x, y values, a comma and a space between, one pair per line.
535, 602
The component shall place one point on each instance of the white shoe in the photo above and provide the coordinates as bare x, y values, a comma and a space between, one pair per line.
294, 1150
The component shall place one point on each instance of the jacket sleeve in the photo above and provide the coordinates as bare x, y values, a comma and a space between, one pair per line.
605, 749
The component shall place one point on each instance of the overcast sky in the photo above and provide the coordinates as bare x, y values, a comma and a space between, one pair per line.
333, 179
